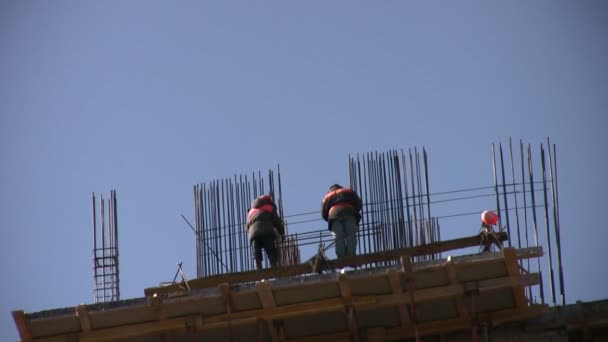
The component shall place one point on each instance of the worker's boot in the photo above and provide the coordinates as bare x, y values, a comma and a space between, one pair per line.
258, 264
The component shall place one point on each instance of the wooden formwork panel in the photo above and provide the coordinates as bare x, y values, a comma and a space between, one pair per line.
445, 293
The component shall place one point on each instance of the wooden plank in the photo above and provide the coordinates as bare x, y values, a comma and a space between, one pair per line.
529, 252
522, 253
512, 266
580, 313
349, 311
459, 324
428, 328
458, 260
84, 318
388, 300
271, 312
233, 278
293, 310
133, 330
406, 266
158, 308
463, 313
509, 315
353, 323
432, 248
509, 281
226, 292
450, 291
265, 295
304, 268
220, 321
432, 328
268, 302
227, 296
23, 326
345, 290
191, 330
395, 280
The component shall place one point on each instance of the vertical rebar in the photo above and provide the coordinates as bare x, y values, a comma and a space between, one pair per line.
367, 221
232, 224
410, 238
222, 219
399, 198
217, 231
413, 184
196, 225
523, 184
262, 188
496, 188
428, 195
249, 197
239, 219
281, 213
423, 233
206, 232
103, 248
95, 282
504, 194
546, 211
553, 167
362, 238
371, 204
116, 255
514, 193
389, 201
531, 174
378, 201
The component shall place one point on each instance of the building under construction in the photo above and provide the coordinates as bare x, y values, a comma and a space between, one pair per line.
406, 283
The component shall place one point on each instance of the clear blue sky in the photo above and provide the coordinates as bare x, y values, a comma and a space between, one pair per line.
151, 97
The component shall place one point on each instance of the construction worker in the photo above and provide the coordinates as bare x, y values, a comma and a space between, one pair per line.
488, 235
341, 209
263, 226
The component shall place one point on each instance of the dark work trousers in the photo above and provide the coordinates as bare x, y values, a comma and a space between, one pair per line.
266, 242
344, 230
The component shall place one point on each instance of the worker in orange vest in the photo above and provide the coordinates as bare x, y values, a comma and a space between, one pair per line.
263, 226
341, 209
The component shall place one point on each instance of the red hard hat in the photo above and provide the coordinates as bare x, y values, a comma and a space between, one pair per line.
489, 217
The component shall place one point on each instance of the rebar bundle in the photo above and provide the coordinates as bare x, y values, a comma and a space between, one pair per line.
394, 187
537, 190
221, 208
105, 250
